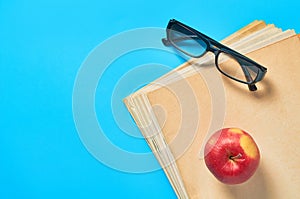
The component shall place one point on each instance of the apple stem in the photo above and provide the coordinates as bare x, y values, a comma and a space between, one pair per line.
238, 156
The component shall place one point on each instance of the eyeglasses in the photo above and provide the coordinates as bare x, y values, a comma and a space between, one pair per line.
229, 62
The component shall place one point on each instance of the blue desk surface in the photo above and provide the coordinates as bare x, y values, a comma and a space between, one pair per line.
43, 45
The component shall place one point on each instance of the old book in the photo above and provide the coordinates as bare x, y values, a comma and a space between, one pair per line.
177, 112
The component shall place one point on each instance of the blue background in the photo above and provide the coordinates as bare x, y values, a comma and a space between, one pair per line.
43, 44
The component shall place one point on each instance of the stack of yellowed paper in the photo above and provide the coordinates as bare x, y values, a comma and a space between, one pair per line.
177, 112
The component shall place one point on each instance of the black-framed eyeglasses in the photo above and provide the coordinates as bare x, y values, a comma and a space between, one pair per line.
229, 62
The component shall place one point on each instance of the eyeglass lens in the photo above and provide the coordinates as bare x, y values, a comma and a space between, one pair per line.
187, 41
237, 68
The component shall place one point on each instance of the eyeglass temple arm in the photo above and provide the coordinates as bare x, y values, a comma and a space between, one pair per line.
248, 77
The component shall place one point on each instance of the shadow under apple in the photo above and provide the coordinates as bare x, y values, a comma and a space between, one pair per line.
255, 188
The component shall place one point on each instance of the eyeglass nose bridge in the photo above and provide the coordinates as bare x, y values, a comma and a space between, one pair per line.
214, 49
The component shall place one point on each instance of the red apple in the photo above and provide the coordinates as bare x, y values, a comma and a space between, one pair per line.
231, 155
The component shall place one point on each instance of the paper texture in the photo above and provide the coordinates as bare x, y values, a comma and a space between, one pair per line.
271, 115
203, 101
